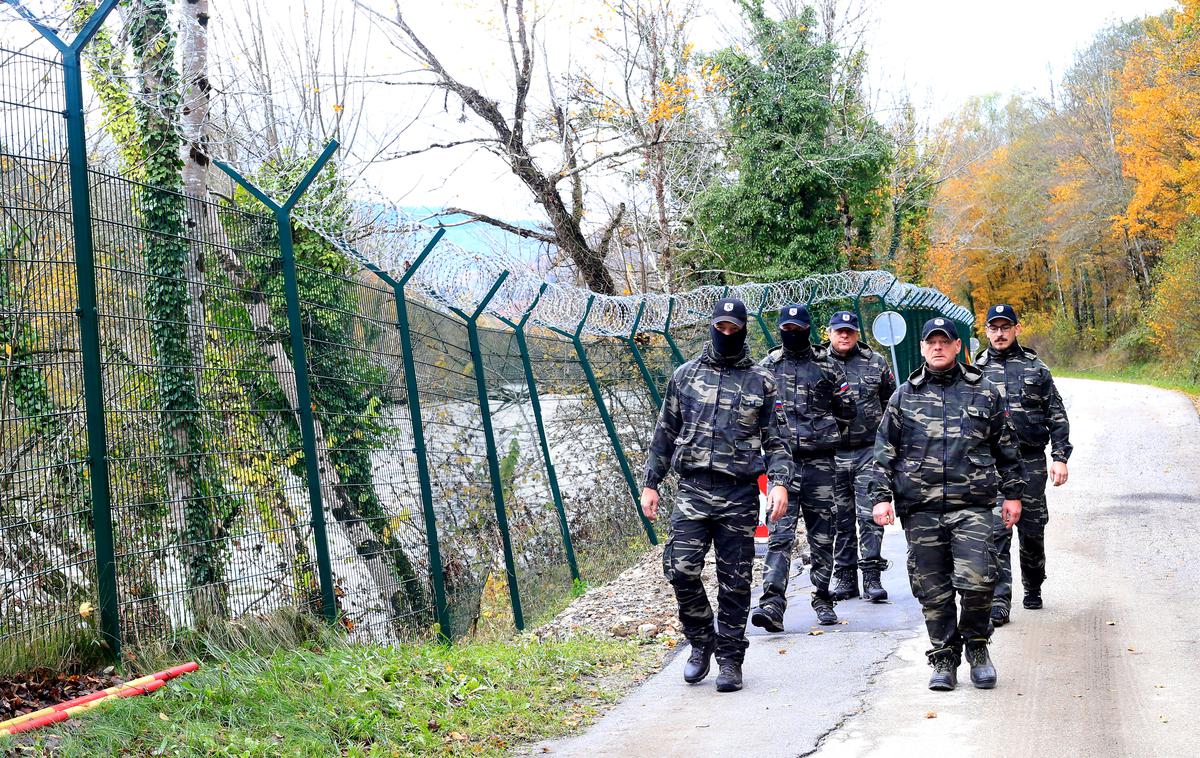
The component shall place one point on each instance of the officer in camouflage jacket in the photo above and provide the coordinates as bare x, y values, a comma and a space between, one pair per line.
718, 430
943, 452
815, 398
1038, 417
872, 384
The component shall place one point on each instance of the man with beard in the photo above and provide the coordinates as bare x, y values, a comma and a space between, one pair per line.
859, 539
943, 453
717, 427
1038, 417
814, 396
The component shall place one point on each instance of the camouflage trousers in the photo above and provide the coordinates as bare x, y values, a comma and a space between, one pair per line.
718, 511
810, 495
1031, 531
858, 539
952, 552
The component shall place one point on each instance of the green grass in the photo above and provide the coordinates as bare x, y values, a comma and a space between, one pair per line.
1153, 374
470, 698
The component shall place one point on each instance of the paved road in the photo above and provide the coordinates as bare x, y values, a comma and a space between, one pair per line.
1110, 667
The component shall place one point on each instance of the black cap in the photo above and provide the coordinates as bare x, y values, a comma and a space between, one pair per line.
939, 324
844, 320
795, 314
729, 309
1002, 311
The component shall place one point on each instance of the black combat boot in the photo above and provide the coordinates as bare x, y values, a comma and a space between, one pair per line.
698, 662
823, 606
847, 585
767, 617
729, 676
945, 670
873, 588
999, 615
1033, 599
983, 673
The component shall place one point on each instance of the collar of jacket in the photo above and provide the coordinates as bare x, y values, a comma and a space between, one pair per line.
739, 361
778, 353
968, 373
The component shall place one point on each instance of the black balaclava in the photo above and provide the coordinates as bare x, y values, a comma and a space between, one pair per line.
796, 340
728, 345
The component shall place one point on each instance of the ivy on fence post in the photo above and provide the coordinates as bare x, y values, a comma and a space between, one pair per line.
283, 220
666, 333
551, 476
489, 439
580, 351
762, 322
89, 329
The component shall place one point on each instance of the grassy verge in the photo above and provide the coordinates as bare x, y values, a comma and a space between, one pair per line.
471, 698
1139, 373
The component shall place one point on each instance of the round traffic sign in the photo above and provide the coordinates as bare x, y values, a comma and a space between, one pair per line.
974, 345
889, 328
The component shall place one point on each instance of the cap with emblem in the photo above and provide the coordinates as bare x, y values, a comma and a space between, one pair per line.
794, 314
729, 309
844, 320
943, 325
1002, 311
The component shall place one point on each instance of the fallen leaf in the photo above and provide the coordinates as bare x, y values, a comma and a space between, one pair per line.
85, 609
1111, 623
458, 736
164, 716
783, 651
1129, 649
815, 632
931, 714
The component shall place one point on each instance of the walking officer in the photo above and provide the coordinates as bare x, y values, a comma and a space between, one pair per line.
815, 399
717, 427
858, 538
1038, 417
943, 451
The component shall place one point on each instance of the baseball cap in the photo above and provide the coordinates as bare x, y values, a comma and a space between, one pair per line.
794, 314
1002, 311
939, 324
729, 309
844, 320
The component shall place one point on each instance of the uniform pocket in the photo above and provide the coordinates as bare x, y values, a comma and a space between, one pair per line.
749, 410
975, 422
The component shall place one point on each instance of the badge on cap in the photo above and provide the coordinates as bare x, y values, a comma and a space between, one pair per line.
939, 321
728, 306
791, 311
845, 317
1000, 308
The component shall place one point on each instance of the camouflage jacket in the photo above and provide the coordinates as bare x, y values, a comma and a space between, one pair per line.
718, 416
1034, 406
814, 396
945, 443
872, 384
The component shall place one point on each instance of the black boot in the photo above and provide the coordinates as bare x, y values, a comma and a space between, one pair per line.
945, 670
873, 588
1033, 599
983, 673
999, 615
768, 617
847, 585
698, 663
729, 676
823, 606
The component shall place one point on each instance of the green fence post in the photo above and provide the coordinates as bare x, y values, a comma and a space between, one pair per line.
813, 339
613, 437
287, 256
87, 313
762, 323
666, 333
424, 481
637, 357
489, 440
551, 476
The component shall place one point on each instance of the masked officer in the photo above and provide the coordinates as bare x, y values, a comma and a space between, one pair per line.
814, 397
943, 451
858, 539
1038, 417
717, 427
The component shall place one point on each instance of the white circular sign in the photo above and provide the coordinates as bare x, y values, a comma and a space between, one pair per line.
974, 345
889, 328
